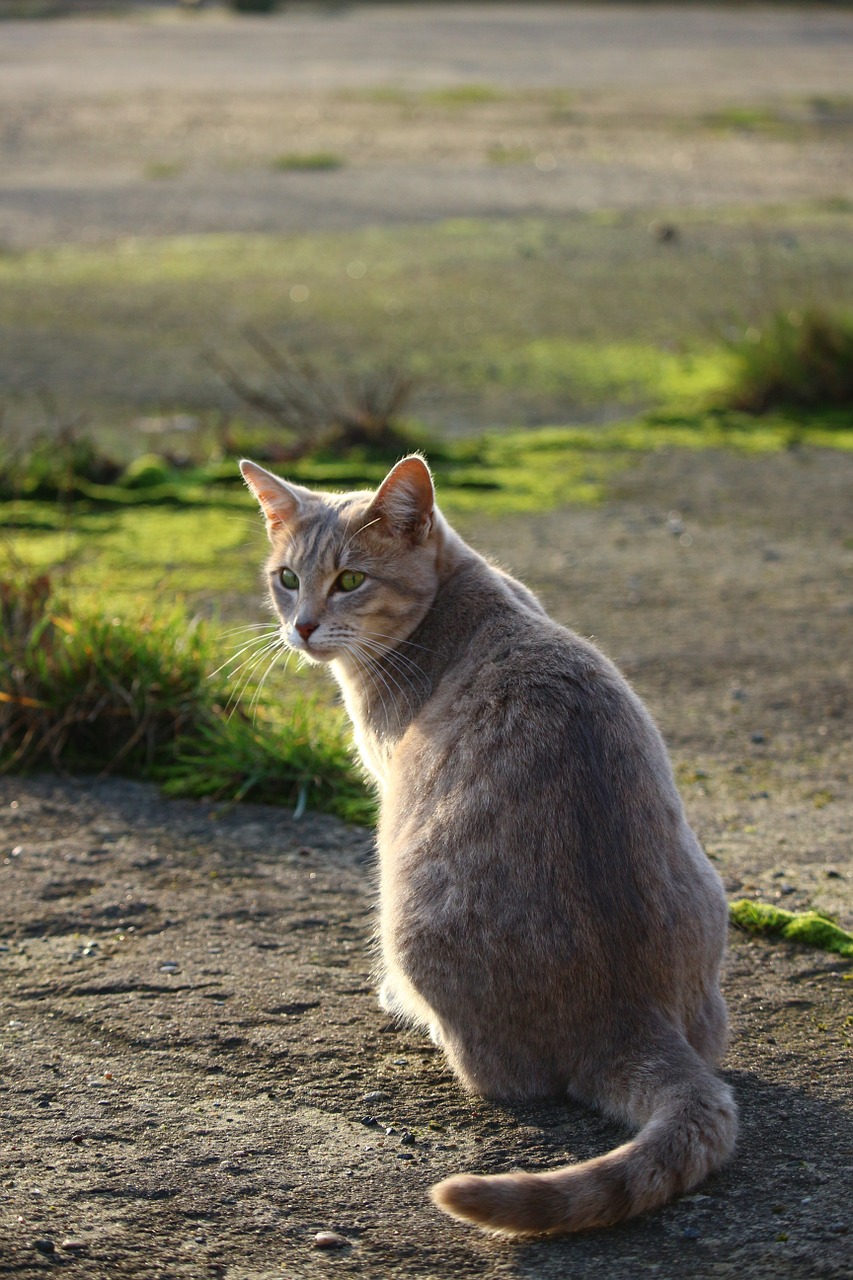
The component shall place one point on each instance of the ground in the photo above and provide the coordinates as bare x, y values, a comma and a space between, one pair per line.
196, 1077
178, 126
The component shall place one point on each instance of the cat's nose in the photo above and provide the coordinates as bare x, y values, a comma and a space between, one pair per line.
306, 629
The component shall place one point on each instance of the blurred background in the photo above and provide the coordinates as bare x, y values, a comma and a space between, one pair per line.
531, 239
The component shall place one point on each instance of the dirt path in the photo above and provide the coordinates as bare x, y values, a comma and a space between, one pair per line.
196, 1077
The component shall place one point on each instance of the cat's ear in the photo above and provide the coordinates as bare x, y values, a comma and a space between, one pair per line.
280, 502
405, 501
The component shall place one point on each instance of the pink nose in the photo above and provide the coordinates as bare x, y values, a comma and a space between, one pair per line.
306, 629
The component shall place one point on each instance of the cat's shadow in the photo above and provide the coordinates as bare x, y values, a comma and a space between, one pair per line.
787, 1187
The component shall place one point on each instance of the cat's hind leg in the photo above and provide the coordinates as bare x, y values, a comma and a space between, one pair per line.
708, 1033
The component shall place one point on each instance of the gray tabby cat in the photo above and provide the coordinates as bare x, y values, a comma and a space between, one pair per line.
545, 911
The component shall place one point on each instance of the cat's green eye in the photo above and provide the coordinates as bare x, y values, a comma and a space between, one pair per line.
288, 579
349, 580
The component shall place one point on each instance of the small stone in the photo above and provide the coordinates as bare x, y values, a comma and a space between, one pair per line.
330, 1240
757, 738
690, 1233
44, 1246
74, 1245
370, 1121
838, 1228
407, 1139
378, 1095
832, 874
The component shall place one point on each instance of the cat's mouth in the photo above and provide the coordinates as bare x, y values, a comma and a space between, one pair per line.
313, 649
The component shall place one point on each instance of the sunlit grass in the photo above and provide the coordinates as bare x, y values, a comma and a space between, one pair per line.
503, 321
146, 694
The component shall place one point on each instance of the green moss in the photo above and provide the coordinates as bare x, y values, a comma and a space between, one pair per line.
807, 927
146, 472
307, 161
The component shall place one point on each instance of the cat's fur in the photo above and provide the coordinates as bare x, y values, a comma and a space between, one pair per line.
545, 910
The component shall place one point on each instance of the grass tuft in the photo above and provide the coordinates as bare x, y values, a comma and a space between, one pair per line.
305, 763
807, 927
86, 691
83, 692
797, 361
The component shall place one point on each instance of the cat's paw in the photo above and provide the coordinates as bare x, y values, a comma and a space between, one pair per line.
389, 1001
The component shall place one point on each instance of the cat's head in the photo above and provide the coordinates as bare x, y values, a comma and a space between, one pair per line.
352, 574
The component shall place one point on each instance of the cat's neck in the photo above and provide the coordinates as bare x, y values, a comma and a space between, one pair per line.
385, 698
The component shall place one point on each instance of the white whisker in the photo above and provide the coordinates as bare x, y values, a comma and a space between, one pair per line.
374, 666
355, 535
404, 666
245, 680
253, 705
410, 643
263, 639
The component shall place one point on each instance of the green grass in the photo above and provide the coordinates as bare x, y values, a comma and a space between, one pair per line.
806, 927
501, 321
308, 161
197, 539
104, 673
799, 361
81, 690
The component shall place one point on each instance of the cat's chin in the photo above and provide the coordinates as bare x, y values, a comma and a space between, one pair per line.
316, 656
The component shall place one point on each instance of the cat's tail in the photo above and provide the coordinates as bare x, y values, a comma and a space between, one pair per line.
690, 1131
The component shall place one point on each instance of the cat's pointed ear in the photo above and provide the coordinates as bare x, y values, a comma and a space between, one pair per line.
405, 501
280, 502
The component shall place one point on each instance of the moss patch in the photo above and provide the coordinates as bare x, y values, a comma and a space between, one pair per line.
807, 927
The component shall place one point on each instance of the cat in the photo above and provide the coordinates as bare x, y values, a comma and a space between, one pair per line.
546, 913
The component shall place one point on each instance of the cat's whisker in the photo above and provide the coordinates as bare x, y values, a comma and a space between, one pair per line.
247, 679
251, 626
263, 639
345, 547
252, 663
364, 664
255, 656
394, 656
404, 665
375, 665
253, 705
409, 644
394, 662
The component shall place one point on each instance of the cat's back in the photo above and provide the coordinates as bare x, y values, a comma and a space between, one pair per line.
533, 789
513, 681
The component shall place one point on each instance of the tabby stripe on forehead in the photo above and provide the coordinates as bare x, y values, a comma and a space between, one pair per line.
311, 541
